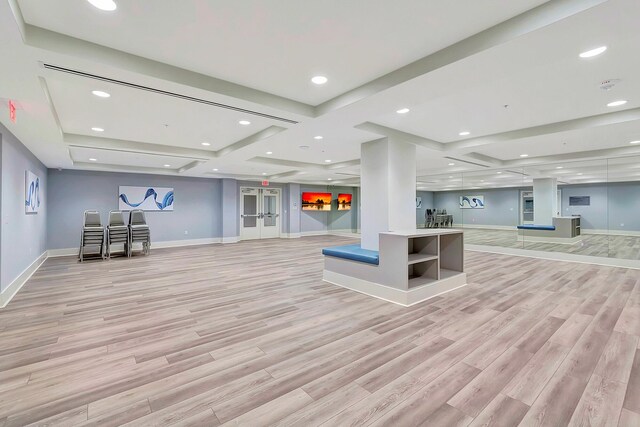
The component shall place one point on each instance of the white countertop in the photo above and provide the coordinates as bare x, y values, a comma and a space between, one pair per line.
424, 232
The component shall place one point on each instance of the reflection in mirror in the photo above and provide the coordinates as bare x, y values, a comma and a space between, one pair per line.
569, 208
623, 208
436, 200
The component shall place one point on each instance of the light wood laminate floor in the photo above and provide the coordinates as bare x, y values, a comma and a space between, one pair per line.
601, 245
249, 334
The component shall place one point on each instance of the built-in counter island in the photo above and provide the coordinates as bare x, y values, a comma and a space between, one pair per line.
410, 266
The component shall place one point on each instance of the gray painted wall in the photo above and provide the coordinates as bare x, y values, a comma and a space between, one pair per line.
501, 206
614, 206
23, 236
197, 207
323, 221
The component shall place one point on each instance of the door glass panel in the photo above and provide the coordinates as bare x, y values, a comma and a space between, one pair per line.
269, 211
250, 203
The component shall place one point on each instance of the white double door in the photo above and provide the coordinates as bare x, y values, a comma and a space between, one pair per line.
259, 213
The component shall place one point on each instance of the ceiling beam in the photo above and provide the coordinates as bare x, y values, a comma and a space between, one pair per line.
527, 22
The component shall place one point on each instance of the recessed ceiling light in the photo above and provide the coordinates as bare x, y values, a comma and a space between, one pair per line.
215, 169
328, 179
264, 173
319, 80
593, 52
244, 122
167, 166
465, 133
558, 167
206, 144
451, 164
580, 174
498, 172
97, 129
634, 142
318, 137
617, 103
403, 111
100, 93
524, 155
450, 177
93, 160
108, 5
327, 161
269, 152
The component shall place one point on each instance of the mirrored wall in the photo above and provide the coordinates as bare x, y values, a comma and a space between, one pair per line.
588, 207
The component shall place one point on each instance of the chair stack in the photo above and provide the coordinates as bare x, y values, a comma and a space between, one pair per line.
139, 231
92, 234
117, 232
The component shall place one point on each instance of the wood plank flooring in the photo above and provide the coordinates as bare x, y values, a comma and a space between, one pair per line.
249, 334
601, 245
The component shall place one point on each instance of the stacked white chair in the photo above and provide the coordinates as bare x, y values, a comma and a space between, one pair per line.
92, 234
139, 231
117, 232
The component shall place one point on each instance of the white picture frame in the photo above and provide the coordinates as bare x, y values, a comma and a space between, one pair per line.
32, 193
146, 198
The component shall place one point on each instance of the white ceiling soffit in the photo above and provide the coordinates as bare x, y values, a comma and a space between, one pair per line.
182, 64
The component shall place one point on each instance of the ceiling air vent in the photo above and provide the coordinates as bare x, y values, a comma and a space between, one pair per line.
609, 84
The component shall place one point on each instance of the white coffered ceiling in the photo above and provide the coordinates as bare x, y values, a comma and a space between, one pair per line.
183, 73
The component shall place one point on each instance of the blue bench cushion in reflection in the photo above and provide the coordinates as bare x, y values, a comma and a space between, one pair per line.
354, 253
536, 227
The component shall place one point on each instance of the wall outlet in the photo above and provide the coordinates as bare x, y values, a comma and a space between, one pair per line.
186, 232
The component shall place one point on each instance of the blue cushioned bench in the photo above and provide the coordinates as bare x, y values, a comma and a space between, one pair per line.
536, 227
354, 253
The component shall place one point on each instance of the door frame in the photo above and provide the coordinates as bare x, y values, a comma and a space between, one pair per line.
260, 212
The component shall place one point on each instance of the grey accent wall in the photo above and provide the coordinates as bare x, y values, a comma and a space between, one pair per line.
614, 206
501, 206
22, 236
623, 206
593, 216
230, 206
334, 220
197, 208
427, 203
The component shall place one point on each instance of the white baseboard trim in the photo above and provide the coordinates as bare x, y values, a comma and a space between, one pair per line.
52, 253
555, 240
19, 281
583, 230
488, 227
232, 239
396, 296
290, 235
314, 233
557, 256
611, 232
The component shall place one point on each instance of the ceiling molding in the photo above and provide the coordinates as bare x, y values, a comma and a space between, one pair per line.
74, 72
250, 140
304, 165
105, 167
75, 140
629, 115
52, 107
56, 42
397, 135
527, 22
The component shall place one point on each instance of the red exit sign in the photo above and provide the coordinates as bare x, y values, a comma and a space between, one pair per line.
12, 111
265, 183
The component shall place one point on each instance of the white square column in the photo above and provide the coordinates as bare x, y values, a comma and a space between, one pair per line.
388, 189
545, 200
